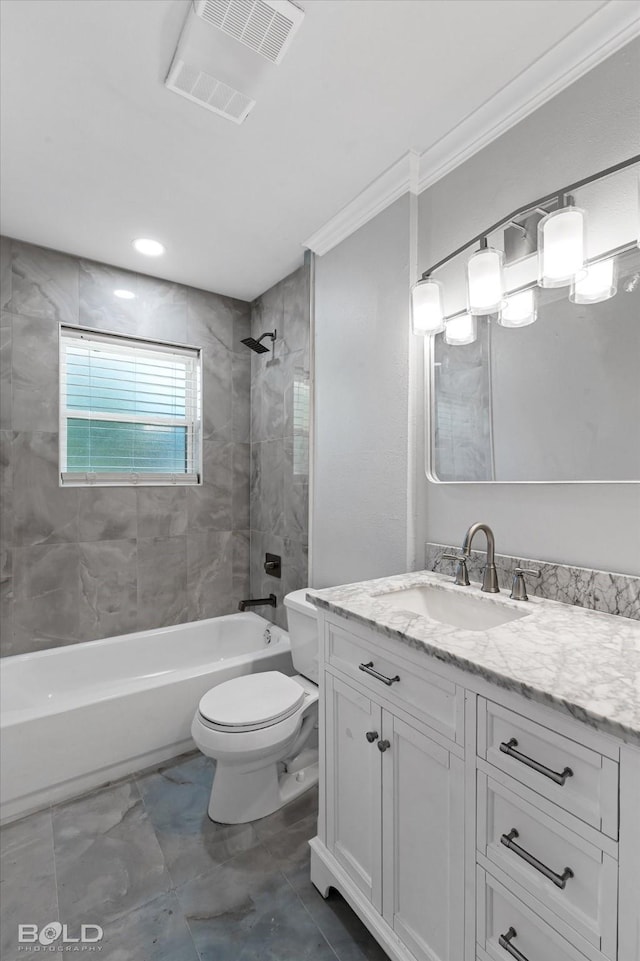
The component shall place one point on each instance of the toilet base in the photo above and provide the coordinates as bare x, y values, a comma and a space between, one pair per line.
237, 798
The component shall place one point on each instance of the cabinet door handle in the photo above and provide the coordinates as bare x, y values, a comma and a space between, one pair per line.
372, 736
383, 745
505, 942
560, 880
508, 747
368, 669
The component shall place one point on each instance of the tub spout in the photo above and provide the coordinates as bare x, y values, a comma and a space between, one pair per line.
270, 601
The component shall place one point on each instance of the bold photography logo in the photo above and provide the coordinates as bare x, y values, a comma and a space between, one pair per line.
58, 937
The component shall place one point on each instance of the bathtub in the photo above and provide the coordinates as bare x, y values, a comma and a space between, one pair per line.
74, 718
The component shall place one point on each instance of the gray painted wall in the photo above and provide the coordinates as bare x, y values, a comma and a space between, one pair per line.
361, 396
79, 564
280, 401
589, 126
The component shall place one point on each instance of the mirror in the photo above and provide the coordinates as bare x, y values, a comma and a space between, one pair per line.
557, 400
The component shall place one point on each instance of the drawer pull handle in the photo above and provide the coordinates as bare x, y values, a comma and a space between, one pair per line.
368, 669
372, 736
505, 942
383, 745
560, 880
508, 747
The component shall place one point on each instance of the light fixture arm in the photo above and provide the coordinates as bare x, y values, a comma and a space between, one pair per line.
564, 198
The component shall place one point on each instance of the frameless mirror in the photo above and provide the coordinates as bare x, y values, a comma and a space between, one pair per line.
555, 400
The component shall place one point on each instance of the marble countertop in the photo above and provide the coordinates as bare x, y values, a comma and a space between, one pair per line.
581, 662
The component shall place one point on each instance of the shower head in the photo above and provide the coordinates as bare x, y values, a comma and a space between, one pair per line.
257, 345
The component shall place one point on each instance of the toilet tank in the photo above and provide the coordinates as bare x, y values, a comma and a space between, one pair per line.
302, 623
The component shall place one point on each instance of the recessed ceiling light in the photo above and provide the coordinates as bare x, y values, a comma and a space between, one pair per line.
150, 248
125, 294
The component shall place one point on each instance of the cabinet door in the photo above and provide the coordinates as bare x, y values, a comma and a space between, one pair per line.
423, 853
353, 784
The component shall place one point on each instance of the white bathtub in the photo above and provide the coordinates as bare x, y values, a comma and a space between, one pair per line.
73, 718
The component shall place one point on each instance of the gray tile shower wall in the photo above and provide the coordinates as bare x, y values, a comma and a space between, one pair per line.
280, 411
580, 586
80, 564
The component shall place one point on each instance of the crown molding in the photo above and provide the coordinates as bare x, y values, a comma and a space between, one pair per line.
605, 32
601, 35
400, 177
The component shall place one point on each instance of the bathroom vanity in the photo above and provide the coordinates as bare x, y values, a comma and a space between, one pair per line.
480, 788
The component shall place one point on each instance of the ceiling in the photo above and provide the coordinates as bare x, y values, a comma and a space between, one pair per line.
96, 151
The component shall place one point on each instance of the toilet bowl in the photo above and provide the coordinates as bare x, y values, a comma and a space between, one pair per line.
256, 728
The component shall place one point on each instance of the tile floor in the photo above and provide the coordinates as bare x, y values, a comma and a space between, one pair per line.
141, 858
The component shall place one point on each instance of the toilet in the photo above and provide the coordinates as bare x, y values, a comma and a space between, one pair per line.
256, 728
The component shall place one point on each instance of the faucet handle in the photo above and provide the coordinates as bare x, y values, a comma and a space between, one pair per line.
518, 587
462, 576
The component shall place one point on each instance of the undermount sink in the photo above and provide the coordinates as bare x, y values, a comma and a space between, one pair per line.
468, 612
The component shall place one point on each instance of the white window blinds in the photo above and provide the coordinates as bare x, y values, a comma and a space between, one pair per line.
129, 410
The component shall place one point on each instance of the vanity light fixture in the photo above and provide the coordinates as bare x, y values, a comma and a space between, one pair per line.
561, 247
148, 247
485, 285
460, 330
124, 294
519, 309
597, 285
426, 307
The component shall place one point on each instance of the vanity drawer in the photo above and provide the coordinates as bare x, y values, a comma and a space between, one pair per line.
430, 698
501, 915
578, 779
586, 898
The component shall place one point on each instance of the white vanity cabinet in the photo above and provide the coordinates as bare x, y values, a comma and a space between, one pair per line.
463, 822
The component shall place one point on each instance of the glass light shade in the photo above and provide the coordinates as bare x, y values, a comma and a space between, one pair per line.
485, 285
561, 247
598, 284
460, 330
519, 310
426, 307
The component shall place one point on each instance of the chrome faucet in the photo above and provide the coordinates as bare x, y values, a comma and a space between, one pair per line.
489, 574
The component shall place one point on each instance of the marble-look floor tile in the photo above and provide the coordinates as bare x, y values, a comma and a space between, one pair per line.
293, 814
247, 911
157, 931
27, 879
108, 860
343, 929
176, 799
44, 283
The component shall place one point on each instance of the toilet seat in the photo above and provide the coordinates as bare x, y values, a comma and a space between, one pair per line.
251, 703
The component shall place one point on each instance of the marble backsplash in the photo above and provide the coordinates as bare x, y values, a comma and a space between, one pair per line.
579, 586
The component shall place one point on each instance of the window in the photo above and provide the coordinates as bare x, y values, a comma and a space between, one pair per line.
129, 410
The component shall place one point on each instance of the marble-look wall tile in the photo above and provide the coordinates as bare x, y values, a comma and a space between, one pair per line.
108, 513
122, 559
162, 582
35, 374
108, 594
210, 506
162, 511
99, 306
44, 283
6, 336
209, 573
5, 272
579, 586
43, 511
296, 309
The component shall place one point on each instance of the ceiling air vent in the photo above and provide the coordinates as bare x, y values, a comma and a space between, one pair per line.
209, 92
266, 26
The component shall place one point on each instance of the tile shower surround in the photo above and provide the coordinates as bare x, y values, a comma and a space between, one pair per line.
580, 586
280, 464
79, 564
